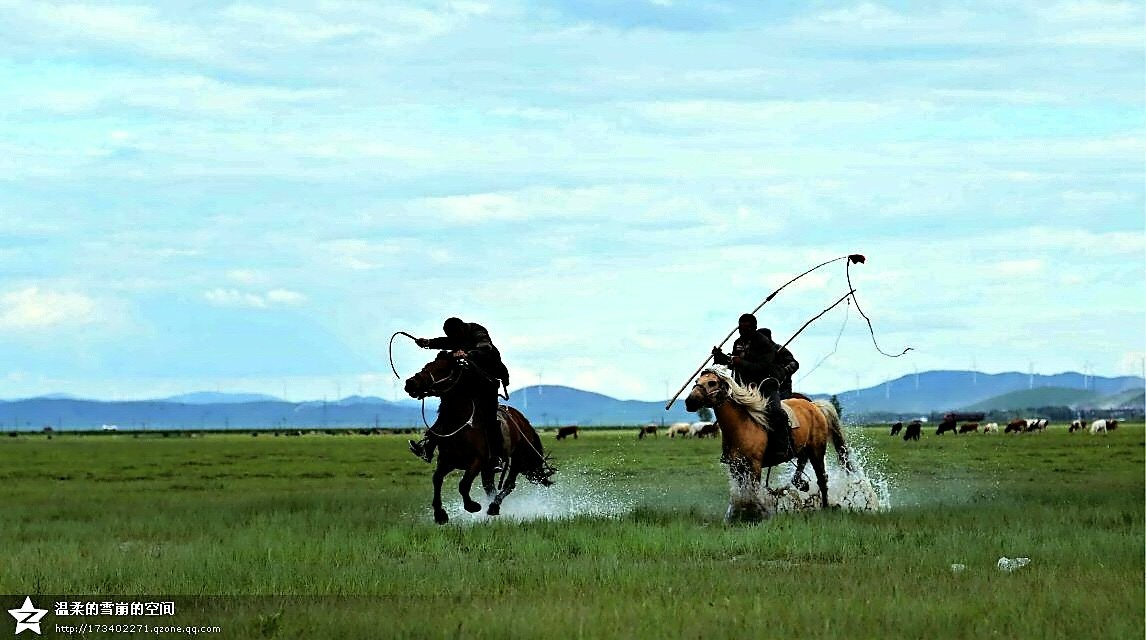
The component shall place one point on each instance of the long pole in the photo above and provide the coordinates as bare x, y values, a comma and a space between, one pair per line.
855, 257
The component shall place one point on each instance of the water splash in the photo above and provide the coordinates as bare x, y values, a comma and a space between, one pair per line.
577, 492
861, 489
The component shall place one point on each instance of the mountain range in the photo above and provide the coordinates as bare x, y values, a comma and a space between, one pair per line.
552, 405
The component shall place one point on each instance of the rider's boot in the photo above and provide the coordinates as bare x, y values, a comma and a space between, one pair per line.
421, 449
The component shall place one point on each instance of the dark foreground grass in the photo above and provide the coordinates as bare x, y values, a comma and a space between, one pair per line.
332, 536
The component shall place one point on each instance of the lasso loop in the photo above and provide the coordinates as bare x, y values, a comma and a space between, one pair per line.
396, 334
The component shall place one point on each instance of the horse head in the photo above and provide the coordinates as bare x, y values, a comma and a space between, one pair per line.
439, 376
709, 391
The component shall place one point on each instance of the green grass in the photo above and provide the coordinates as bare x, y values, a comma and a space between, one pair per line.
342, 525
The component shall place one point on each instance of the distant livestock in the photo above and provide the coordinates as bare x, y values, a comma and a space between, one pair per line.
1016, 426
678, 429
707, 430
896, 428
649, 429
1103, 425
949, 424
1036, 424
970, 427
913, 430
991, 427
565, 432
1076, 425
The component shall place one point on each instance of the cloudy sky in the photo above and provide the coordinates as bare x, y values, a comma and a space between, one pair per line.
253, 196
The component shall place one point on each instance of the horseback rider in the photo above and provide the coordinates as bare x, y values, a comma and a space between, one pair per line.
758, 361
471, 341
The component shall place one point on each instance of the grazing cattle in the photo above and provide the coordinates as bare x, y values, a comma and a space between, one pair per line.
1099, 426
914, 428
1076, 425
991, 427
682, 429
646, 430
1036, 424
948, 424
565, 432
1016, 426
896, 428
1111, 425
708, 430
970, 427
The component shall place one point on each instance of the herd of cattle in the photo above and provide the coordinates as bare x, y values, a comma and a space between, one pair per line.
1018, 425
911, 431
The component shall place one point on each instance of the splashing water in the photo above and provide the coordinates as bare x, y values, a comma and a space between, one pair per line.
576, 493
857, 490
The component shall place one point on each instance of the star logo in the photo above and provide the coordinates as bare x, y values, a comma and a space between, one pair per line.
28, 616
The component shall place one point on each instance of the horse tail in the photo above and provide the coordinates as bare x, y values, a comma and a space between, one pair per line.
836, 432
535, 463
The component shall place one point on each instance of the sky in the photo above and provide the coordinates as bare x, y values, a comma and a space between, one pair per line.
254, 196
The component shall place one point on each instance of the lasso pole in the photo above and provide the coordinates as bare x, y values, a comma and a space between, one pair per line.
853, 257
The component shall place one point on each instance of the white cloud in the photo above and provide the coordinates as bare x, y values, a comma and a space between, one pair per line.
234, 298
32, 308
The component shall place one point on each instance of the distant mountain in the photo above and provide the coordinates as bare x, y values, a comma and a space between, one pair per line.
550, 405
547, 405
215, 397
1032, 398
940, 391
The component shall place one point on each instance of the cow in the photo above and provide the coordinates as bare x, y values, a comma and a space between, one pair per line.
1036, 424
914, 428
896, 428
710, 429
991, 427
1111, 425
695, 428
565, 432
948, 424
1016, 426
1100, 426
683, 429
969, 427
646, 430
1076, 425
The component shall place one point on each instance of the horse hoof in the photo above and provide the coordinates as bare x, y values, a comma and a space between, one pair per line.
472, 507
441, 517
494, 509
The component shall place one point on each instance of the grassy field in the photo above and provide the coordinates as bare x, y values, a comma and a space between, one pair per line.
631, 542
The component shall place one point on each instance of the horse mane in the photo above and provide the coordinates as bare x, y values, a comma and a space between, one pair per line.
747, 397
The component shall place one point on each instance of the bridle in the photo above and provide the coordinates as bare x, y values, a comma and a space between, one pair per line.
714, 401
451, 380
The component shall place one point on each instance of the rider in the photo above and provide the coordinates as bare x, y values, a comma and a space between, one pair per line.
758, 361
471, 341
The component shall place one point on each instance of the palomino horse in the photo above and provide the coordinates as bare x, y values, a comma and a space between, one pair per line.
745, 431
462, 444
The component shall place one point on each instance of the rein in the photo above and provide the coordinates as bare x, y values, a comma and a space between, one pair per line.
466, 424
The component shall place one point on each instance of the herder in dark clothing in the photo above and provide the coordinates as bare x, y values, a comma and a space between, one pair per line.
471, 341
757, 360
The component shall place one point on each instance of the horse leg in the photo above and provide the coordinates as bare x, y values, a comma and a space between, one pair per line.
466, 483
798, 480
507, 486
744, 499
487, 477
440, 473
821, 477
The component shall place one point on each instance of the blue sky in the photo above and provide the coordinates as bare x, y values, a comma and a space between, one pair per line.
253, 196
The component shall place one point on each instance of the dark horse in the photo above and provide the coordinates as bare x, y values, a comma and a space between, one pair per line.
462, 444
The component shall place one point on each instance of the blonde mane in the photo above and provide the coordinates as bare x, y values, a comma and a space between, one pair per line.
748, 397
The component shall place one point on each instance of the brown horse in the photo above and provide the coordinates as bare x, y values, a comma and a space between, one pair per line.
745, 434
462, 444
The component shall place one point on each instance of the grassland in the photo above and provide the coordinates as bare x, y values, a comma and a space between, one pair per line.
332, 536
